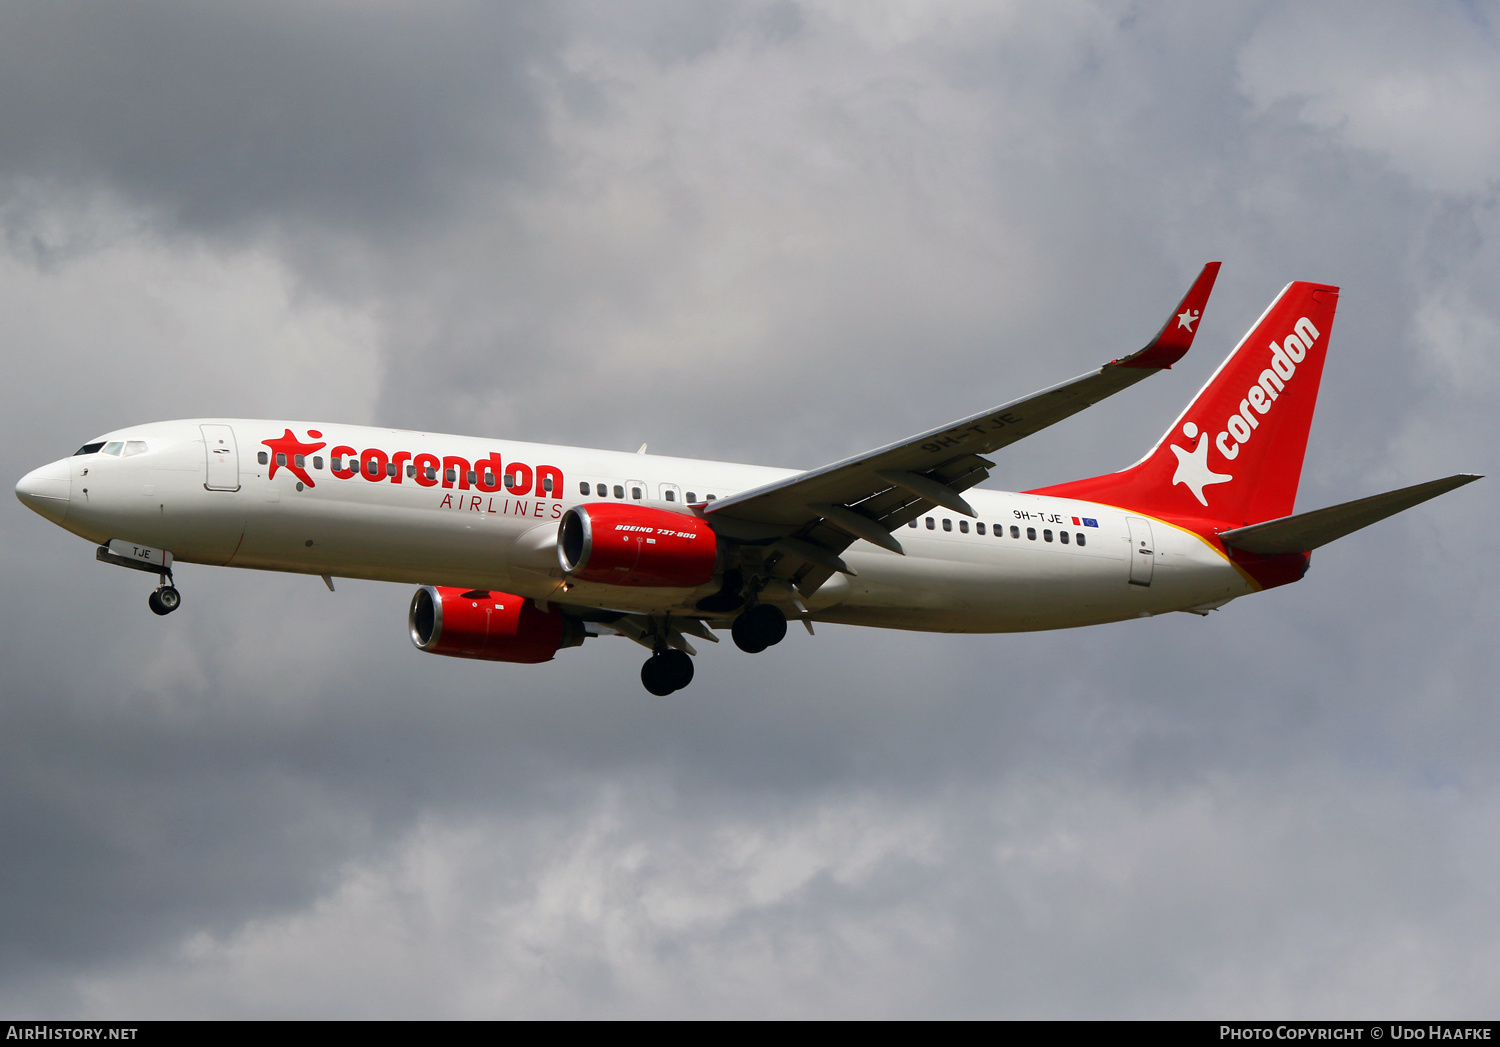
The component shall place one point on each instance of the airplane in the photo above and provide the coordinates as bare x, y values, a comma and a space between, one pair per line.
521, 549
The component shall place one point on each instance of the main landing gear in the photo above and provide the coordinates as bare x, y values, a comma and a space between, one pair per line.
666, 671
669, 669
165, 600
760, 627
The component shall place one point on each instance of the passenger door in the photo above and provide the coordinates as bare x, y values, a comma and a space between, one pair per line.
1142, 551
222, 458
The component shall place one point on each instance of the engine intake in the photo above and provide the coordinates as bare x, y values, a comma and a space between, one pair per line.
494, 626
635, 545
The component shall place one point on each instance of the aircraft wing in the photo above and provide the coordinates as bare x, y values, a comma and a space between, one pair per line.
815, 515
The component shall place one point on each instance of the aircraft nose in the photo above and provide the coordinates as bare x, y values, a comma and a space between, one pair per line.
45, 491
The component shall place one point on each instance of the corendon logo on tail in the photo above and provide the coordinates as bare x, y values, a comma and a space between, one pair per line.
1192, 466
289, 453
1193, 470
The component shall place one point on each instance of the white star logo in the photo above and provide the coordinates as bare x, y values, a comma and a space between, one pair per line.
1192, 466
1188, 319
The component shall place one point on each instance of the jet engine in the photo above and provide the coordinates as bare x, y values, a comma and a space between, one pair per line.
494, 626
622, 544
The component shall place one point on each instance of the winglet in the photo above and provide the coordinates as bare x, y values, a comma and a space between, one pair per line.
1176, 336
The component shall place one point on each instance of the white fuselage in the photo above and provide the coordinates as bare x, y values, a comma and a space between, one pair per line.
439, 528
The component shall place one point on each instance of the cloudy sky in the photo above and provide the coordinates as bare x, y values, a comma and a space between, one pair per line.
779, 233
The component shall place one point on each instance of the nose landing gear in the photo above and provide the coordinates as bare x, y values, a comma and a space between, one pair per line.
155, 561
667, 671
164, 600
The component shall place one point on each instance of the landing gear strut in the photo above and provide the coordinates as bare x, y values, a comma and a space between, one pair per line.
164, 600
667, 671
760, 627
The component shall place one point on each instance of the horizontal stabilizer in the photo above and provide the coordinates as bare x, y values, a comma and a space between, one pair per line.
1306, 531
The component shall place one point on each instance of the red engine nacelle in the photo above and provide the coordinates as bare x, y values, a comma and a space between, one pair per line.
498, 627
623, 544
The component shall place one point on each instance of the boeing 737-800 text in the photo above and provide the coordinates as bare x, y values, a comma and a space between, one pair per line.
523, 549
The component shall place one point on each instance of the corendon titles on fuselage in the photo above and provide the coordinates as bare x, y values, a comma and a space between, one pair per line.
515, 564
454, 475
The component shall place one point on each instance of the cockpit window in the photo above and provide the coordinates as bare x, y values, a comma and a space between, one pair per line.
134, 447
114, 447
89, 449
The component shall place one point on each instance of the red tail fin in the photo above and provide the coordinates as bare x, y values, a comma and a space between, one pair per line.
1235, 455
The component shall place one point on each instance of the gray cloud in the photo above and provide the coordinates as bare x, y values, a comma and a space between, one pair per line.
344, 115
778, 233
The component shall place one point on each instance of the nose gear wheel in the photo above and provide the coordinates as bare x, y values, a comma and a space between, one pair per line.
164, 600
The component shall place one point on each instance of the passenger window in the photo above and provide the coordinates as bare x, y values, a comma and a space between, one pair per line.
583, 489
963, 526
671, 495
300, 460
510, 481
1015, 532
692, 497
1079, 536
547, 484
135, 447
318, 462
451, 475
979, 528
931, 524
264, 459
710, 497
947, 524
635, 492
391, 469
619, 491
372, 467
1062, 536
1047, 536
432, 472
114, 447
912, 524
280, 457
1031, 533
472, 478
